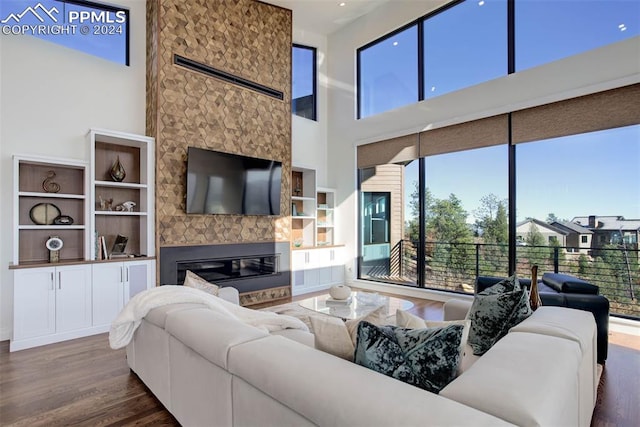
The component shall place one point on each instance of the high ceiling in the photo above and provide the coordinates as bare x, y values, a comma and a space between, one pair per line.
326, 16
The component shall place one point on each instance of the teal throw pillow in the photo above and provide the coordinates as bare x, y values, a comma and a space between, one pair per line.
427, 358
494, 311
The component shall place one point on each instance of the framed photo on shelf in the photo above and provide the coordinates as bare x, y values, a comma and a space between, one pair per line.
119, 245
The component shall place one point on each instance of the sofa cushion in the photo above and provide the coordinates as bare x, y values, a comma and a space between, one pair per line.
158, 315
192, 280
330, 391
569, 284
494, 311
407, 320
427, 358
194, 329
337, 337
525, 379
298, 335
561, 322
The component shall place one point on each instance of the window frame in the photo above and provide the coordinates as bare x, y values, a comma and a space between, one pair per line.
314, 83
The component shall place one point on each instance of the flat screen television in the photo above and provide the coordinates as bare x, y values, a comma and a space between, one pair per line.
224, 183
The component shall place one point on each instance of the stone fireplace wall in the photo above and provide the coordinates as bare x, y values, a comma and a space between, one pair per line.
245, 38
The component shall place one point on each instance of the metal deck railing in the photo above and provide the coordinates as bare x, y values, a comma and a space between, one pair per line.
455, 266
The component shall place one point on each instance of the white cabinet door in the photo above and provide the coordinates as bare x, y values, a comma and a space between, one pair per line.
298, 263
115, 283
324, 265
73, 297
311, 272
337, 265
331, 265
108, 292
139, 276
34, 309
304, 268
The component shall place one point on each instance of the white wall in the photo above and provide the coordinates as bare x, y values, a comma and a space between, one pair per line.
612, 66
50, 96
309, 137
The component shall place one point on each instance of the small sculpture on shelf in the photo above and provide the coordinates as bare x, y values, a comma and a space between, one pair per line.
105, 204
48, 185
297, 191
126, 206
117, 171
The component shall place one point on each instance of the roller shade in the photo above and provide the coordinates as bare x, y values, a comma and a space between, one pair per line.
395, 150
603, 110
465, 136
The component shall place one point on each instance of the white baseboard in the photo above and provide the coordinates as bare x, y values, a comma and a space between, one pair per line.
5, 334
624, 326
54, 338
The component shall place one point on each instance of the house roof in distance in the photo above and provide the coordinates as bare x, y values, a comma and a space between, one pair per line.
611, 222
572, 226
543, 224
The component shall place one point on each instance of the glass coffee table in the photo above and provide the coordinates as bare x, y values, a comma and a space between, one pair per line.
358, 305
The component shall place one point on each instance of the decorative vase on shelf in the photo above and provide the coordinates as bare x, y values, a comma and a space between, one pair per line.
340, 292
117, 171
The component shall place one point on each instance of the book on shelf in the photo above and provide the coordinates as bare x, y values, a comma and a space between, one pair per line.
103, 246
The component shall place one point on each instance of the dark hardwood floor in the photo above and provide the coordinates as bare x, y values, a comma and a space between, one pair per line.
83, 382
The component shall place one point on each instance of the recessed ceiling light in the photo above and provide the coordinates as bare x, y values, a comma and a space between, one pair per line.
395, 43
342, 4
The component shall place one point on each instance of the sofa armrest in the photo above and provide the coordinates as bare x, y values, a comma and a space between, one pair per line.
569, 284
230, 294
456, 309
598, 305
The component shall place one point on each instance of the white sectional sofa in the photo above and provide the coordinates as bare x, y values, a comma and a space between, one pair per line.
210, 370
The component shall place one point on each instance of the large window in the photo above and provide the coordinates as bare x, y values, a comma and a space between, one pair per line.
303, 92
93, 28
498, 195
464, 45
590, 184
550, 30
466, 217
388, 73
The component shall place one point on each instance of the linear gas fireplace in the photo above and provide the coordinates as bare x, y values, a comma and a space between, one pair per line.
247, 267
222, 269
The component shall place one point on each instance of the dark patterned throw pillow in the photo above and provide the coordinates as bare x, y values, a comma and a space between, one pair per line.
494, 311
426, 358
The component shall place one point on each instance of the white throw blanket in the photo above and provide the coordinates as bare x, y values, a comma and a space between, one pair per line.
130, 317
